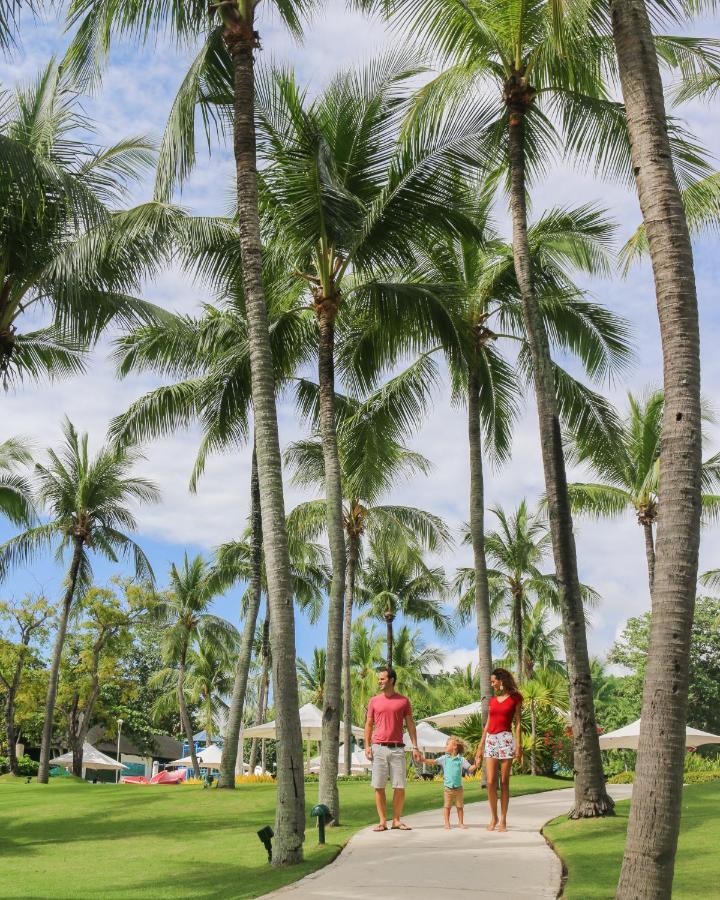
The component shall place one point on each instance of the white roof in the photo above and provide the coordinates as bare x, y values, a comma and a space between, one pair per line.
310, 726
92, 759
454, 717
428, 738
358, 762
627, 738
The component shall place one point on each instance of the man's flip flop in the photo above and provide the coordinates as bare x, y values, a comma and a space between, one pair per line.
380, 828
401, 827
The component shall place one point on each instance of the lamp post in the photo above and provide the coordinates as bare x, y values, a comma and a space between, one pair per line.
117, 774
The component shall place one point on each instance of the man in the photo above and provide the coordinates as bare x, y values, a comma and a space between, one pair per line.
387, 712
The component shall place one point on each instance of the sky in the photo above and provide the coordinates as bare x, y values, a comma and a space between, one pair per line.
136, 96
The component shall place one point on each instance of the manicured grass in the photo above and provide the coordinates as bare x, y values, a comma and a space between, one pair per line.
74, 840
592, 849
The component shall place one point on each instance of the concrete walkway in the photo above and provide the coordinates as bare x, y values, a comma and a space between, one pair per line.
430, 863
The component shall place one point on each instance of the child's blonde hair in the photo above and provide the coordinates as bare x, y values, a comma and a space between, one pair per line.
457, 743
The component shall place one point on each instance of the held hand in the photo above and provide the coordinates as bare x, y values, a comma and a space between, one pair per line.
518, 754
417, 756
368, 752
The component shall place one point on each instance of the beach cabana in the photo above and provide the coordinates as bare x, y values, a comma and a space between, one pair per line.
359, 763
92, 759
454, 717
429, 738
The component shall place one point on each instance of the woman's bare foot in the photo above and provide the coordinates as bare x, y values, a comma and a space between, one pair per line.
492, 826
464, 827
447, 828
502, 826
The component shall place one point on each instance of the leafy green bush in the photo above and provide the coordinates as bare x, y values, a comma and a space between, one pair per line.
27, 766
4, 765
701, 777
622, 778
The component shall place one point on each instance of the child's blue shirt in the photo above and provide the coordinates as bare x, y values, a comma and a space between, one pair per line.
453, 768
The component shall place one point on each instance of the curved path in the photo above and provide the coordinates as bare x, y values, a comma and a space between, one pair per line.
430, 863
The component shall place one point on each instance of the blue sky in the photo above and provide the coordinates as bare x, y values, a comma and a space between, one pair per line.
138, 90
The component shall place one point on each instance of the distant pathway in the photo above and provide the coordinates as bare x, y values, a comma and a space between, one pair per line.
430, 863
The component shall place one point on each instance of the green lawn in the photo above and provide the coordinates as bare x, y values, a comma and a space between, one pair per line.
76, 840
592, 849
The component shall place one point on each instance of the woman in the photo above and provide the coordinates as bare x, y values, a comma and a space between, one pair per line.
498, 744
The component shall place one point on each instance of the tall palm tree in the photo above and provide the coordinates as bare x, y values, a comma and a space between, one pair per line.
86, 500
183, 613
628, 462
65, 247
541, 57
396, 580
210, 359
312, 676
370, 436
546, 689
490, 315
541, 640
16, 501
649, 859
230, 43
516, 550
351, 202
413, 661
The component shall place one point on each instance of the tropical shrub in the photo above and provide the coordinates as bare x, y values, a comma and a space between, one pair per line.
27, 766
622, 778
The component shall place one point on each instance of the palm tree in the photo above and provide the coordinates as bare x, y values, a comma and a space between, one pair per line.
210, 676
545, 690
413, 661
350, 203
86, 500
628, 462
516, 550
65, 249
210, 358
541, 58
312, 676
16, 502
541, 640
396, 580
231, 40
183, 613
489, 315
649, 859
366, 656
370, 436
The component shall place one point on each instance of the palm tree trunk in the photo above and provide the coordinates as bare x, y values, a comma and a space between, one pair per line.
11, 690
477, 534
517, 618
533, 734
389, 619
262, 691
184, 715
591, 797
44, 770
80, 722
328, 789
654, 823
353, 541
290, 817
650, 553
237, 702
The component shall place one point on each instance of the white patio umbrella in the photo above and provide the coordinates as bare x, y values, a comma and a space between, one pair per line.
92, 759
628, 737
310, 726
428, 738
208, 758
359, 763
454, 717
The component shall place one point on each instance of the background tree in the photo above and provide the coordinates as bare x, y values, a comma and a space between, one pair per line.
628, 462
66, 246
396, 580
183, 611
26, 626
16, 502
371, 436
544, 690
312, 676
86, 499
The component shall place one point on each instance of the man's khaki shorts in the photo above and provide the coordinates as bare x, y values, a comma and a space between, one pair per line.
453, 797
388, 764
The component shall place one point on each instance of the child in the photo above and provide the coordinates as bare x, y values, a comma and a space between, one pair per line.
453, 765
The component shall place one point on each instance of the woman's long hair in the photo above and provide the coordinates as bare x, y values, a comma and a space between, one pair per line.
508, 680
